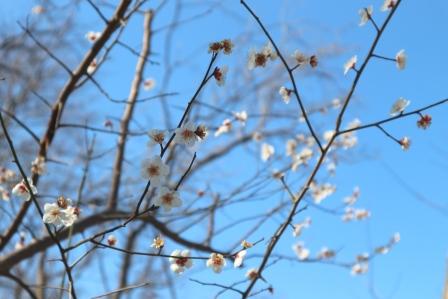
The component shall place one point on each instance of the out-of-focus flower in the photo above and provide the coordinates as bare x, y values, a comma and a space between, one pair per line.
220, 75
300, 250
405, 143
313, 61
245, 244
186, 134
267, 151
6, 175
353, 198
359, 268
180, 261
252, 274
149, 84
298, 228
4, 194
401, 59
365, 14
350, 64
112, 240
320, 192
225, 127
92, 36
22, 191
388, 4
37, 10
285, 94
201, 131
291, 146
38, 165
336, 103
301, 158
157, 136
399, 106
92, 67
325, 253
226, 46
155, 170
167, 199
241, 116
300, 58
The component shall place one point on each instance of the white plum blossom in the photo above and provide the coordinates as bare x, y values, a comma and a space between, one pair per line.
350, 64
241, 117
300, 58
325, 253
38, 165
353, 198
269, 51
149, 84
239, 258
225, 127
298, 228
365, 14
21, 189
320, 192
6, 175
285, 94
301, 158
267, 151
167, 199
336, 103
291, 146
37, 10
388, 4
405, 143
92, 67
155, 170
92, 36
252, 274
180, 261
220, 75
186, 134
57, 215
360, 268
355, 214
4, 194
395, 238
401, 59
157, 136
399, 106
301, 252
112, 240
158, 242
216, 262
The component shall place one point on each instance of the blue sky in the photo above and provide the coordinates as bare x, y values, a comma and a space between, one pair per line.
415, 268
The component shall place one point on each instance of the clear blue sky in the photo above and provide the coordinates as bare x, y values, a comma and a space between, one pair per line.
415, 267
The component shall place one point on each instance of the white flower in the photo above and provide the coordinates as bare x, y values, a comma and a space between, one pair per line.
22, 191
269, 52
225, 127
365, 14
321, 192
395, 238
351, 200
401, 59
157, 136
298, 228
220, 75
291, 146
186, 134
112, 240
167, 199
328, 135
38, 165
92, 36
405, 143
300, 250
399, 106
241, 117
149, 84
326, 253
180, 261
216, 262
285, 93
158, 242
239, 258
388, 4
37, 10
382, 250
54, 214
361, 214
336, 103
155, 170
92, 67
256, 60
301, 158
6, 175
350, 64
267, 151
360, 268
252, 273
300, 58
4, 194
